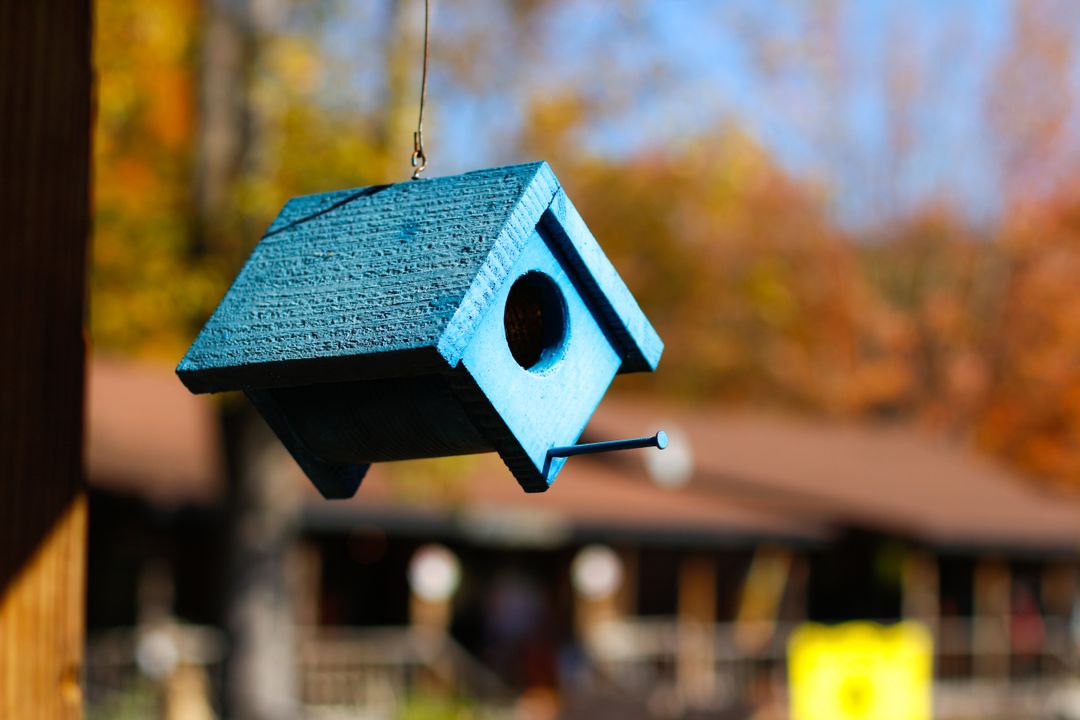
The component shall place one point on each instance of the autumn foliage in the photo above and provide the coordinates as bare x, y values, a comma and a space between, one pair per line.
760, 293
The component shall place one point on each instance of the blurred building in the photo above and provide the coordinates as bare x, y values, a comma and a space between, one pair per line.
658, 584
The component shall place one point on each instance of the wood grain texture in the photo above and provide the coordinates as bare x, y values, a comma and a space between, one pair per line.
341, 280
356, 274
45, 103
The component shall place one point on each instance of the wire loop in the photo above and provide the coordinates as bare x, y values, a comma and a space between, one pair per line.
419, 157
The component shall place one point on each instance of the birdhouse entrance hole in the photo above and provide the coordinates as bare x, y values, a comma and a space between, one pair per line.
535, 321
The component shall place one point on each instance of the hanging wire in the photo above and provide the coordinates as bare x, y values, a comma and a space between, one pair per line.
419, 157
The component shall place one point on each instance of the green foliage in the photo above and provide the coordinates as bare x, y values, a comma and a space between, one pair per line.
427, 707
137, 699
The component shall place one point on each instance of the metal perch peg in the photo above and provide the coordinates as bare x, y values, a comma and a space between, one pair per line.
659, 441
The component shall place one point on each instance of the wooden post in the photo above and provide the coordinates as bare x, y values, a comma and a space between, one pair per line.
990, 636
626, 596
45, 91
695, 666
599, 581
1060, 590
304, 573
592, 615
761, 598
920, 588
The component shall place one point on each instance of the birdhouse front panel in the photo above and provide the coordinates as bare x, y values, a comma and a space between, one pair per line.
543, 361
457, 315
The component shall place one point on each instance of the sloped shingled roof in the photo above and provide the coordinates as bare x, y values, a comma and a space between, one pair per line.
405, 270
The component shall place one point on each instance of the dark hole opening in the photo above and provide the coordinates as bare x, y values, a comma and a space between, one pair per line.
534, 320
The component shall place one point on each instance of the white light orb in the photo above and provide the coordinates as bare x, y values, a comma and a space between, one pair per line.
596, 572
434, 573
156, 653
673, 467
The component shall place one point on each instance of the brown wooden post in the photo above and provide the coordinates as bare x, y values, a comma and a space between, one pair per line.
761, 599
695, 665
990, 636
598, 605
920, 589
45, 101
1060, 589
626, 596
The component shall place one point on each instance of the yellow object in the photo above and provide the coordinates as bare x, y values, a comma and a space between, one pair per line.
861, 671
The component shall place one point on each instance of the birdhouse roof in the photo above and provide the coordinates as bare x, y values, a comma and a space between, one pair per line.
390, 279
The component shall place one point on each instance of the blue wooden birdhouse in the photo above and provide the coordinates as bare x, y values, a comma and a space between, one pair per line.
439, 317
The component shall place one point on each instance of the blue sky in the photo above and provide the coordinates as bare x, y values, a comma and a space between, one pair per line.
816, 93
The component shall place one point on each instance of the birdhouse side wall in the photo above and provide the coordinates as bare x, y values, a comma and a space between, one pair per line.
381, 420
550, 403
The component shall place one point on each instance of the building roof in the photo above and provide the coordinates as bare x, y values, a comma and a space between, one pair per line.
592, 500
754, 476
147, 436
890, 478
398, 276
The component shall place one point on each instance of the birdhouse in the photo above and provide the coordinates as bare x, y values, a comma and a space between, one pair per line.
456, 315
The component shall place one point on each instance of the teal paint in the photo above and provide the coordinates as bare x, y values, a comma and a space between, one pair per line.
371, 325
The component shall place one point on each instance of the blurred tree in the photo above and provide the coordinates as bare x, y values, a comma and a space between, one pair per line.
761, 294
260, 672
750, 284
208, 122
1032, 414
210, 116
1032, 109
147, 286
761, 298
940, 286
